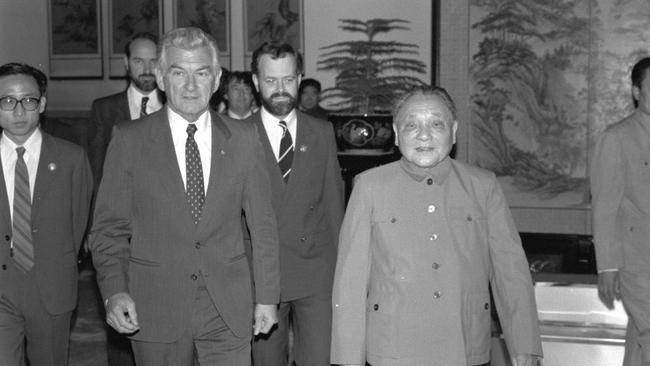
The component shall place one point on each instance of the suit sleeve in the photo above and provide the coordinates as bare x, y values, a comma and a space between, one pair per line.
111, 229
82, 196
97, 143
510, 278
334, 191
262, 225
606, 179
350, 289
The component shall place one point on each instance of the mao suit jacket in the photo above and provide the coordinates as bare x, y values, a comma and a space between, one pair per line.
309, 207
144, 241
416, 259
60, 211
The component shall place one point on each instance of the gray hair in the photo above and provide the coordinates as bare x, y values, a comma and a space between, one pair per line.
426, 91
188, 38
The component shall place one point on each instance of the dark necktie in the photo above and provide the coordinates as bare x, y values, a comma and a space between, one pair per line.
285, 158
22, 249
143, 106
194, 175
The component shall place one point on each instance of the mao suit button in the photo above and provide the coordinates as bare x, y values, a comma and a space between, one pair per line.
7, 237
437, 294
429, 181
431, 208
303, 239
197, 245
486, 306
433, 237
194, 277
435, 265
376, 307
4, 267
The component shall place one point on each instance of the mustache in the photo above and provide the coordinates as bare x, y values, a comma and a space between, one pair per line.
146, 76
281, 94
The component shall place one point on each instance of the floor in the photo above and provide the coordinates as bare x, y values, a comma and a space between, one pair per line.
88, 337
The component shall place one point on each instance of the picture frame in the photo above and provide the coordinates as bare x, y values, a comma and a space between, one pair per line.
212, 16
128, 17
75, 50
273, 20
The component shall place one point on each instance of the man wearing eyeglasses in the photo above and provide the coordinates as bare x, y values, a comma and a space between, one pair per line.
45, 194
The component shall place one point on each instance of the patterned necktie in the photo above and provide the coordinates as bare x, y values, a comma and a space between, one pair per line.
23, 249
194, 190
285, 157
143, 106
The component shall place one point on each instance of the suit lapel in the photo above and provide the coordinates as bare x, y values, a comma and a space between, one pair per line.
277, 183
122, 112
5, 214
305, 140
48, 167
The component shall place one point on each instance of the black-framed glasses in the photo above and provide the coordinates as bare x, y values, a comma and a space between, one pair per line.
28, 103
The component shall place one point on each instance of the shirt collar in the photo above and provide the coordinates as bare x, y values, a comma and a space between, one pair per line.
438, 173
32, 145
270, 119
177, 122
134, 94
233, 115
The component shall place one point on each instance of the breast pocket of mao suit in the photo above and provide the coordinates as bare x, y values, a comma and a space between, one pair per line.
468, 225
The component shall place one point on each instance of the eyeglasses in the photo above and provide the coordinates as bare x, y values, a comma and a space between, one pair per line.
28, 103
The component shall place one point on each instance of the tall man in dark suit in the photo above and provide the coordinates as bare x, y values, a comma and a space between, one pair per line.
45, 192
308, 202
166, 238
140, 98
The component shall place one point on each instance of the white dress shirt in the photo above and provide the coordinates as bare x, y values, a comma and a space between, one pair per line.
274, 131
135, 101
9, 156
203, 138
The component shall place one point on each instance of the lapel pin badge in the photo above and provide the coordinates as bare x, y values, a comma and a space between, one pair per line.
51, 166
303, 148
223, 152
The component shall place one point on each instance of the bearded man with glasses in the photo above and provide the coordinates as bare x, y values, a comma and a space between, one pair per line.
45, 194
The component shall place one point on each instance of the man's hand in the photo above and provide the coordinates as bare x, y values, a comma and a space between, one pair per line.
609, 288
526, 360
265, 317
121, 314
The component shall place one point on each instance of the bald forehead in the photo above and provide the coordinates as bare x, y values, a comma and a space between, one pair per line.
424, 106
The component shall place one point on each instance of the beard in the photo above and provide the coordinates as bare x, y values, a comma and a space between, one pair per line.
279, 109
144, 82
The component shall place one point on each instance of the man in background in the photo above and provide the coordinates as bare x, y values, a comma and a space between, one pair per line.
423, 241
45, 194
240, 96
307, 193
140, 98
166, 239
309, 97
620, 189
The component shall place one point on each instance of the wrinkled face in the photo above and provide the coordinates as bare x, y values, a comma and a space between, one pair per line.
425, 131
240, 97
277, 82
188, 81
140, 66
309, 97
642, 94
19, 124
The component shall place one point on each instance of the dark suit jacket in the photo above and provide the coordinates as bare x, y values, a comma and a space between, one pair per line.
309, 207
106, 112
60, 208
144, 240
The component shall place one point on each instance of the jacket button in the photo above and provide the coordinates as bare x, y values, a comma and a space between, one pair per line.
376, 307
197, 245
429, 181
435, 265
194, 277
486, 306
437, 294
4, 267
7, 237
303, 239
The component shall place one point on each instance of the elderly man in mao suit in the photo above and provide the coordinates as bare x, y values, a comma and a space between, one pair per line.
422, 241
620, 187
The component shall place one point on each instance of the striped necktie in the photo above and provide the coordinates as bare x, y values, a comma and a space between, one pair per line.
22, 247
285, 158
143, 106
194, 190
